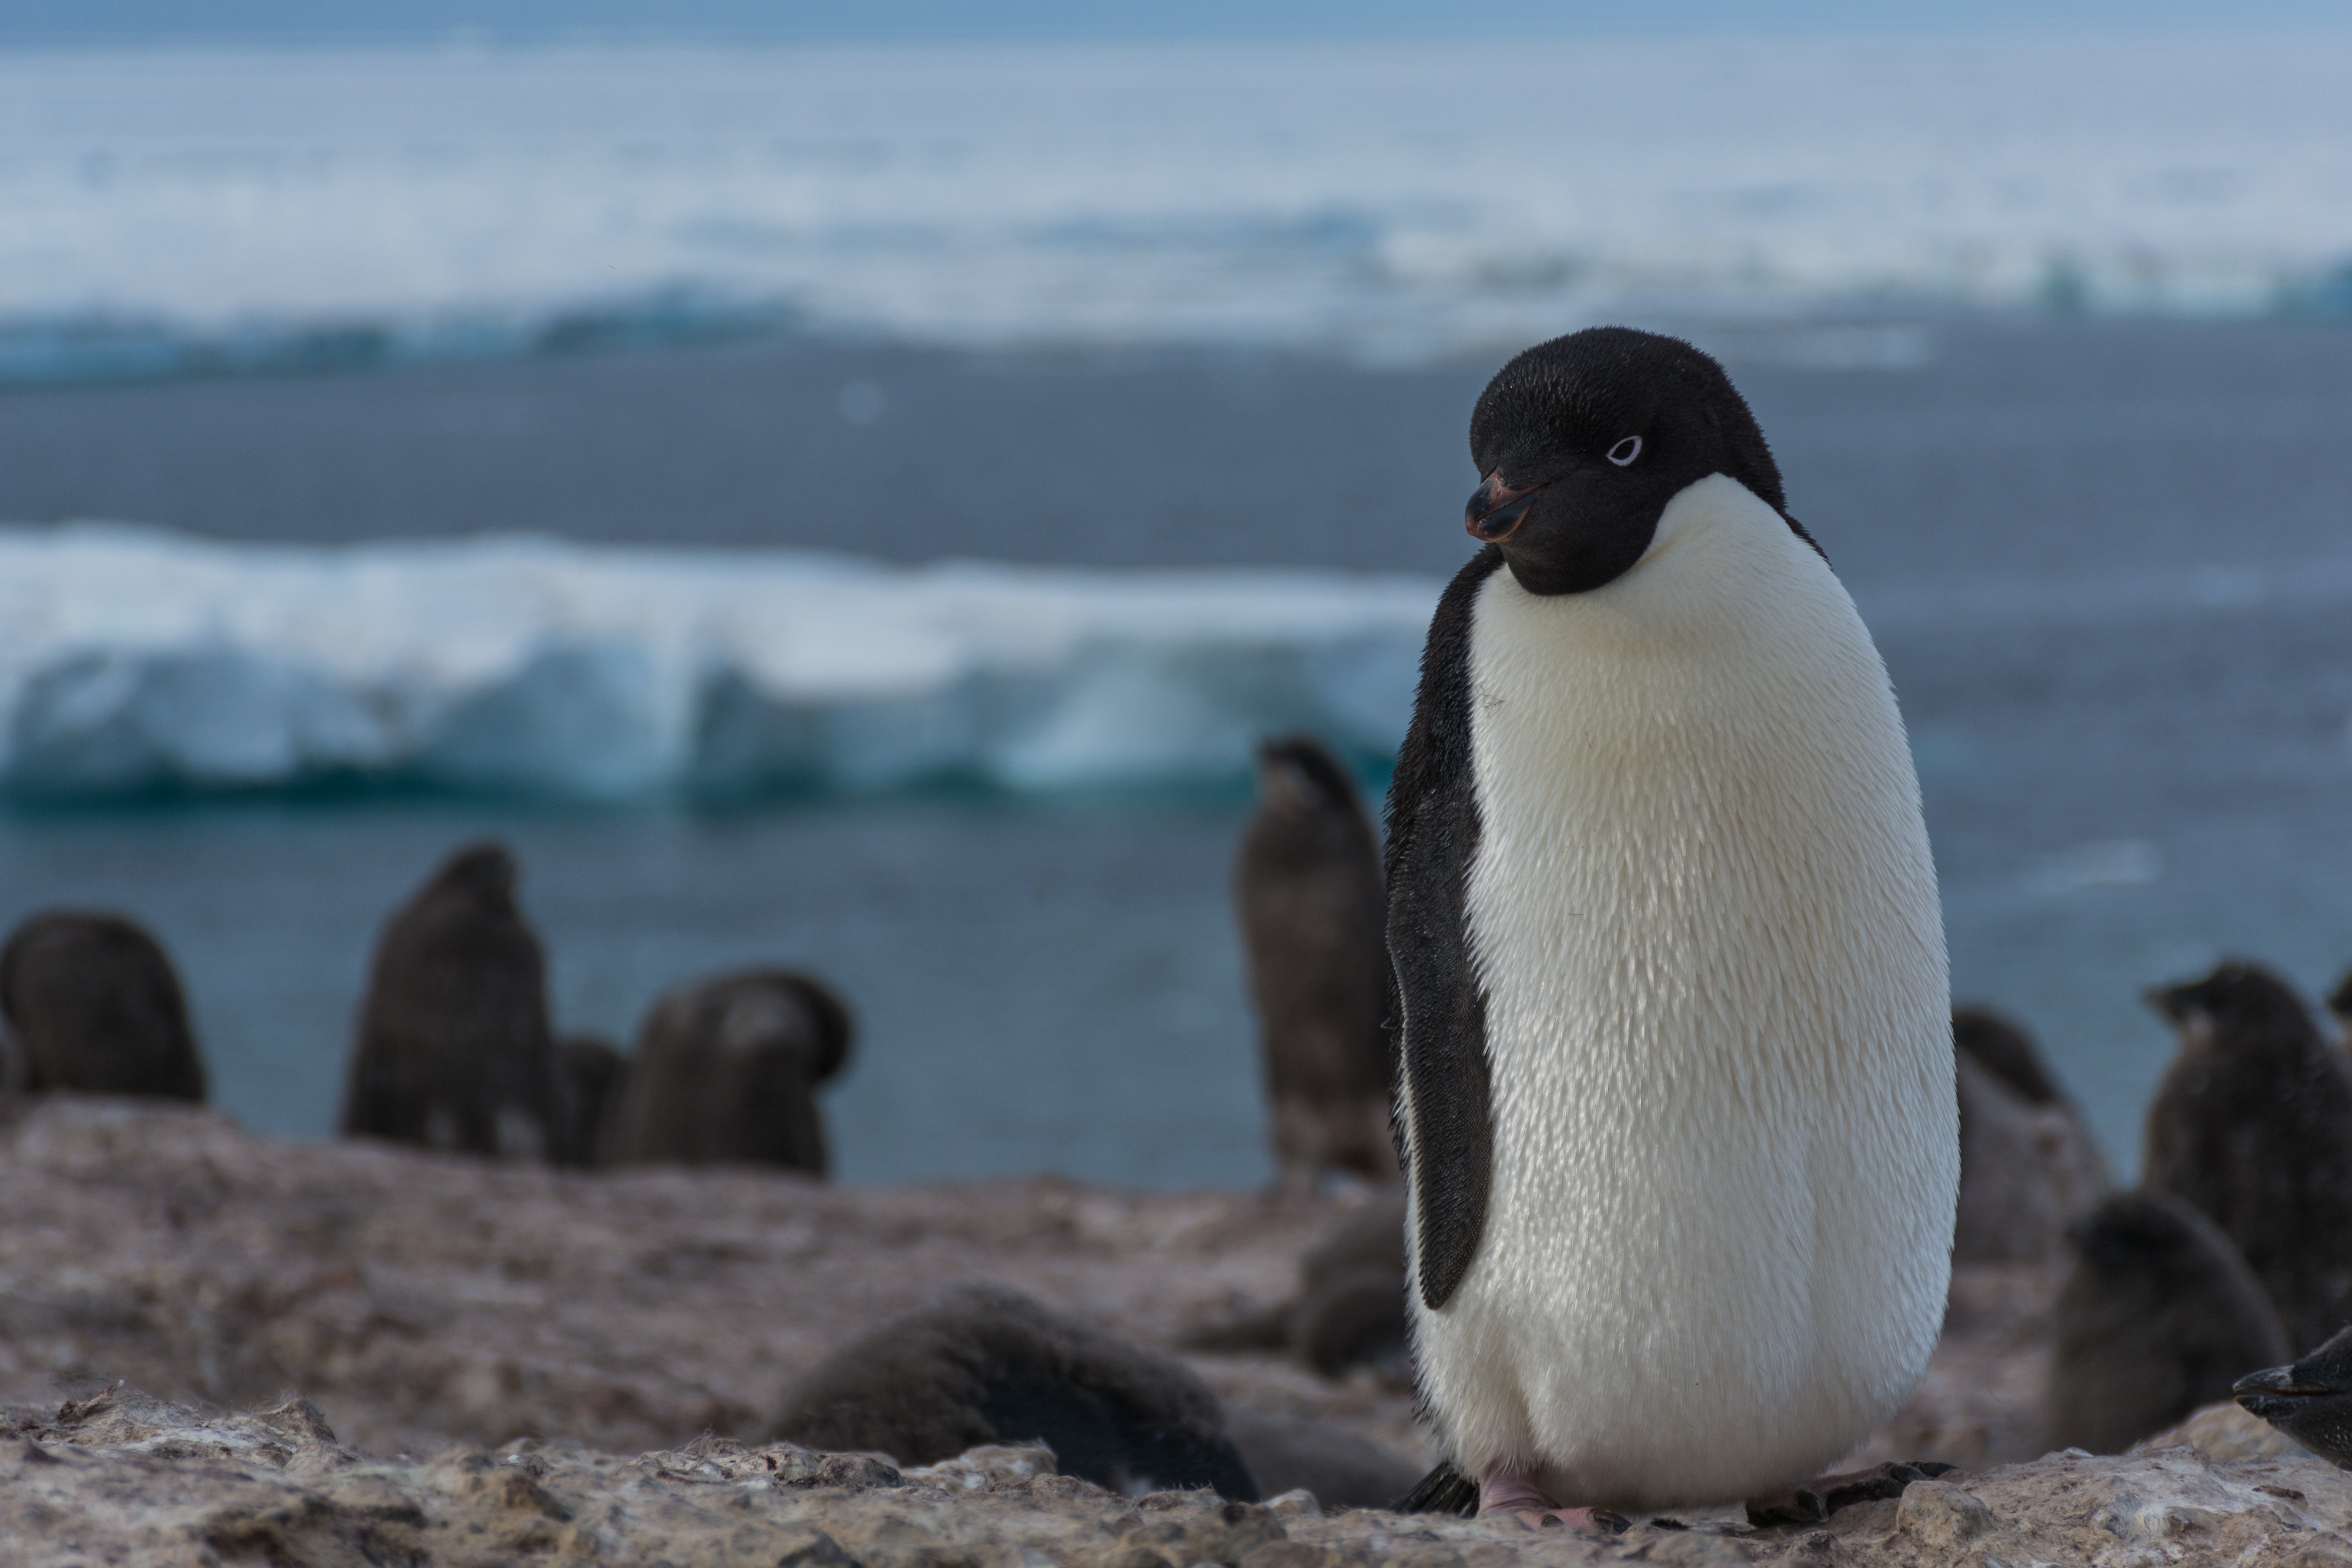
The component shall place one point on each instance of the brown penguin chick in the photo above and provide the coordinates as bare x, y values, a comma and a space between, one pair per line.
2029, 1167
1313, 918
2158, 1317
727, 1071
454, 1050
589, 1073
1350, 1310
2002, 1046
93, 1006
1290, 1453
2253, 1127
2310, 1401
987, 1364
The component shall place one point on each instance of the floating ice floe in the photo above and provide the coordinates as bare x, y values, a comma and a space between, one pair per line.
133, 660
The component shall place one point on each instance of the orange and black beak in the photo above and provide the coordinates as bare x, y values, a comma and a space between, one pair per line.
1495, 511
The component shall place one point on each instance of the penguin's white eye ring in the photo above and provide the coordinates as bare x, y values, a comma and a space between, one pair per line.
1625, 450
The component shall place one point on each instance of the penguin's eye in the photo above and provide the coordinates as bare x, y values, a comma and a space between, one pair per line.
1625, 450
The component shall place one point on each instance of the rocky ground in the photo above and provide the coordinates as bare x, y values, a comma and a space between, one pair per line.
452, 1361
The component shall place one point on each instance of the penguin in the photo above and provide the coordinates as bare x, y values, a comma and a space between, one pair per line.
984, 1363
1298, 1453
1349, 1308
92, 1005
454, 1050
1350, 1311
2157, 1317
1676, 1093
2311, 1401
2029, 1165
2340, 1004
727, 1070
2002, 1046
589, 1074
2253, 1127
1312, 913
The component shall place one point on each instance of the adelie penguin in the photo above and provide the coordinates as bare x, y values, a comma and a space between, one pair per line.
2253, 1127
2029, 1165
1312, 909
986, 1365
2156, 1318
1677, 1089
726, 1069
92, 1005
454, 1048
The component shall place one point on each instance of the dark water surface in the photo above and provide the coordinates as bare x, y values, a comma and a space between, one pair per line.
2110, 565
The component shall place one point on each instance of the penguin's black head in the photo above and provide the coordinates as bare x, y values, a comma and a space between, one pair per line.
1296, 771
485, 870
2002, 1048
1582, 441
2238, 1001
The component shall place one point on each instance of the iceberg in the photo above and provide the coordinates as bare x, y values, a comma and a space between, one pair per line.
136, 660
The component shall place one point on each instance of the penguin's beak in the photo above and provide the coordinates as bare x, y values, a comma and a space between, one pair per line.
2271, 1393
1495, 511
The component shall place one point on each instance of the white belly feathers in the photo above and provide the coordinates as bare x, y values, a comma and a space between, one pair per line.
1704, 917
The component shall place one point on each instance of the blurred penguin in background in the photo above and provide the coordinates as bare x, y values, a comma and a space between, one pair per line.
2253, 1127
92, 1005
2339, 1005
987, 1364
1349, 1311
454, 1048
589, 1073
727, 1070
2158, 1317
2029, 1167
1313, 914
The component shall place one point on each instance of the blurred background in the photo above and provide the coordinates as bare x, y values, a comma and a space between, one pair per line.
844, 485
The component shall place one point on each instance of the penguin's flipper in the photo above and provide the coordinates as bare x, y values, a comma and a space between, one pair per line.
1442, 1491
1432, 822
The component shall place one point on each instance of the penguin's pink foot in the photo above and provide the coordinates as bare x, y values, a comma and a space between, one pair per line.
1504, 1490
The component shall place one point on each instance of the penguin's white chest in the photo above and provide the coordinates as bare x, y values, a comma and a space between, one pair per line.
1705, 919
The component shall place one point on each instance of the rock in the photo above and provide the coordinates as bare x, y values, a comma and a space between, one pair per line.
991, 1465
1938, 1516
530, 1353
2226, 1433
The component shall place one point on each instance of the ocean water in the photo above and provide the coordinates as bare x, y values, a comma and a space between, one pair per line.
2110, 565
853, 509
322, 207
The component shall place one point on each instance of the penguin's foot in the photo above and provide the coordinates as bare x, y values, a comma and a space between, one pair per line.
1503, 1490
1823, 1496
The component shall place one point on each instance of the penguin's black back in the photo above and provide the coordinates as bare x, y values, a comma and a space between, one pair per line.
987, 1364
2253, 1127
2159, 1316
93, 1005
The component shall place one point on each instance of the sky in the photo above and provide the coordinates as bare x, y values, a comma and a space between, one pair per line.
35, 22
